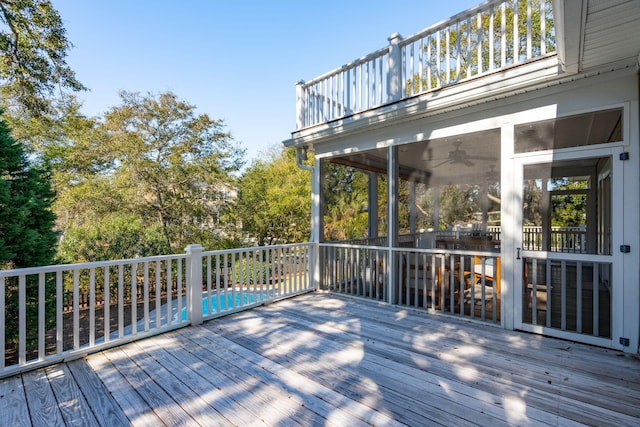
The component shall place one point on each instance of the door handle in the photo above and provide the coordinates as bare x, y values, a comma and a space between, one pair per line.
517, 253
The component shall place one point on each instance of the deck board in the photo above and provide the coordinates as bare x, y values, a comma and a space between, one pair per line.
325, 359
70, 400
43, 407
134, 408
250, 389
525, 370
13, 403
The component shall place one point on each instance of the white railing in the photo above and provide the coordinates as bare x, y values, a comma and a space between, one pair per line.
561, 239
463, 283
54, 313
567, 294
241, 278
358, 86
490, 37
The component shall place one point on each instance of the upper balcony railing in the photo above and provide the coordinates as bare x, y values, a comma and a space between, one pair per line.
485, 39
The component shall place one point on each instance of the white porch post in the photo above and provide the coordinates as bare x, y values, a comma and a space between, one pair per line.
194, 283
301, 106
394, 77
317, 222
631, 265
511, 232
392, 203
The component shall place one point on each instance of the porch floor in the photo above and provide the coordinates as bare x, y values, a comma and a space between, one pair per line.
326, 359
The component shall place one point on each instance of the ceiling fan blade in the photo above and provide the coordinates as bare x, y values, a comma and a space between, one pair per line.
441, 163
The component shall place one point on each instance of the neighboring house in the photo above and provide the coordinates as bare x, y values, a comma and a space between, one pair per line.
516, 150
218, 200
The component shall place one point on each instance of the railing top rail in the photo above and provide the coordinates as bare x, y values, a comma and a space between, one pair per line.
362, 60
85, 265
434, 251
254, 248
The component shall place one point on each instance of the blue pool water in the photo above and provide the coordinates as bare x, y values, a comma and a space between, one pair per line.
226, 301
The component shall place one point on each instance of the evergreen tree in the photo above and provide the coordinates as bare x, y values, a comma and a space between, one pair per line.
26, 221
27, 238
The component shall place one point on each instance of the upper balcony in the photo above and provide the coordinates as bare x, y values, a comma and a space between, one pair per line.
491, 51
492, 37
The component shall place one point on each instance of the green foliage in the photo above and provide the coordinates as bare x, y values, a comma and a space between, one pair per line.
465, 39
171, 165
26, 236
569, 210
346, 202
121, 236
274, 200
249, 272
26, 219
33, 50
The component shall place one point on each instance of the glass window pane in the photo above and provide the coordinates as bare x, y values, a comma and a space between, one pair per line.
566, 207
575, 131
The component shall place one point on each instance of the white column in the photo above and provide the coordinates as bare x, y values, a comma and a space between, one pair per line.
394, 77
511, 233
392, 203
317, 222
301, 106
194, 284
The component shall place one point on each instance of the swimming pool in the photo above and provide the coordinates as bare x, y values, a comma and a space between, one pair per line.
225, 301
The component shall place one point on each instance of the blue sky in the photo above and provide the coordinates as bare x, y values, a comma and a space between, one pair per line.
234, 60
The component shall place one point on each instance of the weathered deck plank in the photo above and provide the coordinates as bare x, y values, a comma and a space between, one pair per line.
43, 407
546, 383
332, 360
251, 391
137, 411
335, 407
456, 402
13, 402
103, 405
71, 401
169, 411
186, 391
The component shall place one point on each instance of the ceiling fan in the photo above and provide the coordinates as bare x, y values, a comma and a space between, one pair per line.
458, 156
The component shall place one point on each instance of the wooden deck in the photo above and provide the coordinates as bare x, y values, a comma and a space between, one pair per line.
324, 359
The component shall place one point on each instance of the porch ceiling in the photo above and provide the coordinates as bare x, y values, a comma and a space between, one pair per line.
599, 32
459, 159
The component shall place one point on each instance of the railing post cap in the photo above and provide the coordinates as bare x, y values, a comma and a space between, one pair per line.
394, 37
300, 82
194, 248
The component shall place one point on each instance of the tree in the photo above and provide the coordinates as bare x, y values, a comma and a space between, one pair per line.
26, 220
346, 202
461, 41
26, 232
33, 50
274, 199
171, 166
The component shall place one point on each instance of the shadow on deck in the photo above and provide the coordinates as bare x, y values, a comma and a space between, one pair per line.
326, 359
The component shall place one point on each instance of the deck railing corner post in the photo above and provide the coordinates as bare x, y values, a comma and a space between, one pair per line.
194, 284
394, 76
301, 105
